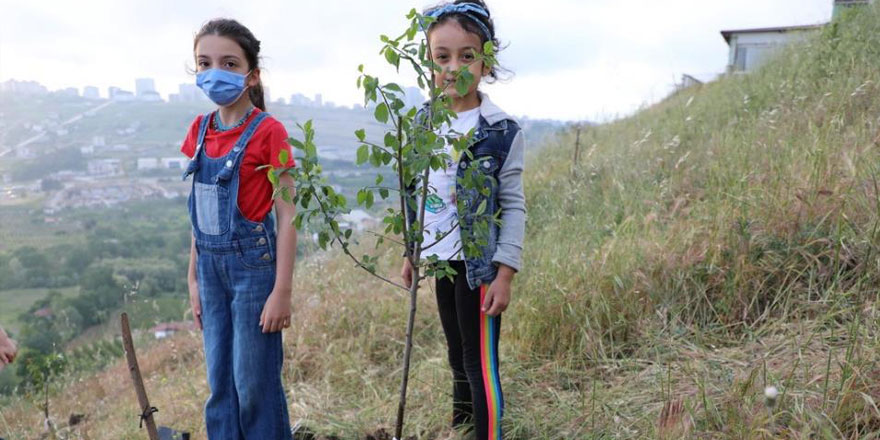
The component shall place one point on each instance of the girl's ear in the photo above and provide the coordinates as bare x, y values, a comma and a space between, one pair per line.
254, 78
486, 69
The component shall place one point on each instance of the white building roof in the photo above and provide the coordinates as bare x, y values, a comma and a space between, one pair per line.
781, 29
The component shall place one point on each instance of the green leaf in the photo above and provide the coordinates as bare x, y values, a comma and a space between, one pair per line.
283, 156
463, 83
295, 143
391, 141
361, 134
393, 87
482, 208
382, 113
310, 150
392, 57
363, 154
489, 48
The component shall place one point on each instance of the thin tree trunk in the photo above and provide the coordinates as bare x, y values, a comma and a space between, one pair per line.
407, 353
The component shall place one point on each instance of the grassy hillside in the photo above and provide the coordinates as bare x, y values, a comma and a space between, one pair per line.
719, 242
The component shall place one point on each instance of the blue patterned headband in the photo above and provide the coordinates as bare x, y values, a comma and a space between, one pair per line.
468, 10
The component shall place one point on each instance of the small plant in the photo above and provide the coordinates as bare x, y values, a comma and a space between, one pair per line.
39, 370
411, 150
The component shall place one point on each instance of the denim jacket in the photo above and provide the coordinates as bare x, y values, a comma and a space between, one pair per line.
498, 152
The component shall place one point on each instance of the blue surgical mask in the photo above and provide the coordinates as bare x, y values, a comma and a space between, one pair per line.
222, 86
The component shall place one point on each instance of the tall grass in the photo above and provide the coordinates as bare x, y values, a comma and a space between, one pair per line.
717, 243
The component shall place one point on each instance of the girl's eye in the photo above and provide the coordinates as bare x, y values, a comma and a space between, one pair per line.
230, 65
469, 57
203, 64
442, 57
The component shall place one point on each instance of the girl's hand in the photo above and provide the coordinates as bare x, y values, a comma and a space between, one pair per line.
195, 303
8, 350
406, 273
276, 311
498, 296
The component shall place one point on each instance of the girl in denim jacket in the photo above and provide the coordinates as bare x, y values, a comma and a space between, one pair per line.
241, 268
471, 304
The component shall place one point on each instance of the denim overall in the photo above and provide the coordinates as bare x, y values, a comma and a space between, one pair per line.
235, 273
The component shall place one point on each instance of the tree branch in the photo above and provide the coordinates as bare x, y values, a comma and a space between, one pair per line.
345, 249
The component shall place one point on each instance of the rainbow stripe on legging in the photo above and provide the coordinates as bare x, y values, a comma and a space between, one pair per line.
491, 384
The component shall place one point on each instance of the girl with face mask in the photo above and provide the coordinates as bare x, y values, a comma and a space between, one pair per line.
241, 260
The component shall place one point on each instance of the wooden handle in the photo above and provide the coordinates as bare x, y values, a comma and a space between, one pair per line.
146, 409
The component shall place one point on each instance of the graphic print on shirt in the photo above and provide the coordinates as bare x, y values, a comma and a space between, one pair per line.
441, 213
434, 204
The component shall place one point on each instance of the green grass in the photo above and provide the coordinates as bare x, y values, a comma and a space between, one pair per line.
17, 301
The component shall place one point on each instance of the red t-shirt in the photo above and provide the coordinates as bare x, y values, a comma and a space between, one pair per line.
254, 190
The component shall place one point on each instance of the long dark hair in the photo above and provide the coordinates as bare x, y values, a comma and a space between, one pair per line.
226, 27
469, 25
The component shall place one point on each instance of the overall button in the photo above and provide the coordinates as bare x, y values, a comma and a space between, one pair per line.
259, 228
228, 164
261, 241
463, 165
486, 164
266, 257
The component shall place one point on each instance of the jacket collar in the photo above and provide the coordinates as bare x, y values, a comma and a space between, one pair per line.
491, 112
492, 118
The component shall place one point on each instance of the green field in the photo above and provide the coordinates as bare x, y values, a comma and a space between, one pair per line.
17, 301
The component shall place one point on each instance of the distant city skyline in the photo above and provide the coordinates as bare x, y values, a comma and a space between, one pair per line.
145, 91
572, 59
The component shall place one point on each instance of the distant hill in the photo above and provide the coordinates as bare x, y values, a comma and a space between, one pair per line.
132, 129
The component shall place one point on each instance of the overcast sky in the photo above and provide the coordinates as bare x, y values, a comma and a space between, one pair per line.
573, 59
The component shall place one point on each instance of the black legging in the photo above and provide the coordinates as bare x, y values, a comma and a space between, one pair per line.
472, 339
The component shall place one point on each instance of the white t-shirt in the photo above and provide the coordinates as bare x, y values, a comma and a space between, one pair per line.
441, 214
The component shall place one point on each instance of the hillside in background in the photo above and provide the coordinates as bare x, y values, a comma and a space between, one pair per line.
714, 244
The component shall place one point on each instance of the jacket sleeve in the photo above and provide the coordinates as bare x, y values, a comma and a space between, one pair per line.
512, 201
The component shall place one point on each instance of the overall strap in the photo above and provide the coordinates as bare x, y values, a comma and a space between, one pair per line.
200, 142
234, 158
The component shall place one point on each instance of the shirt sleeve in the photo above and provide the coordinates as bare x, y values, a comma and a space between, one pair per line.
276, 139
189, 143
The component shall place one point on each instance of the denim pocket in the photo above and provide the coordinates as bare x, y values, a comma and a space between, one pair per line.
211, 208
257, 258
